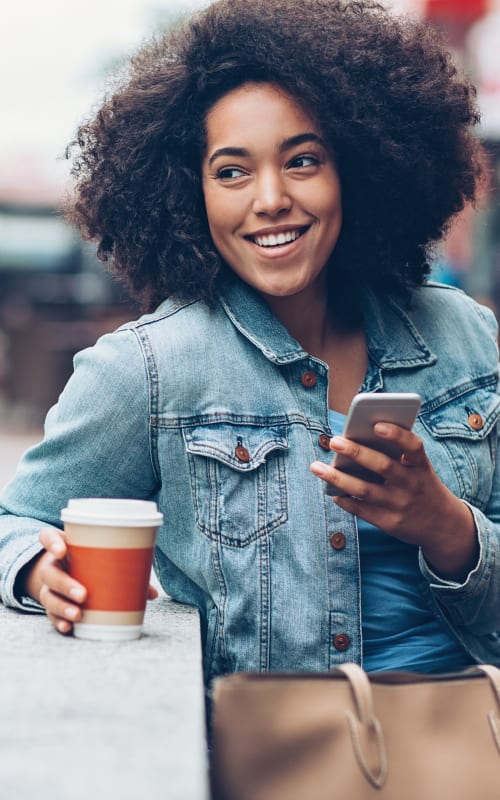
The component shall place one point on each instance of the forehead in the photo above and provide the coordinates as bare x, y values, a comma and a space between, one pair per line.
256, 110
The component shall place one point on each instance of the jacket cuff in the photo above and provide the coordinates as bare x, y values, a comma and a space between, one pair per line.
473, 577
9, 595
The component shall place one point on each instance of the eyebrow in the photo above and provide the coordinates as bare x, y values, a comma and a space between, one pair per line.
286, 144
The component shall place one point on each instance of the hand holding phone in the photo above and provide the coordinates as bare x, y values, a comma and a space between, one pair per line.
398, 408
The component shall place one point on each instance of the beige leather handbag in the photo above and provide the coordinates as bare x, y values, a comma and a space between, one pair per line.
344, 735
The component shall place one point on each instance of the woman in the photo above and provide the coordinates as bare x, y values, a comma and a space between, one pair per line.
272, 192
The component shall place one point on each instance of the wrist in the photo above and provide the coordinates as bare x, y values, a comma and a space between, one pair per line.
28, 582
454, 551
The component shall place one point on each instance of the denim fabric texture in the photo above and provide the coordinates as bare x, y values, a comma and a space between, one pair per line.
204, 411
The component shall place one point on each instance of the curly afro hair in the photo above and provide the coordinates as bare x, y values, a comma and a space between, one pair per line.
384, 91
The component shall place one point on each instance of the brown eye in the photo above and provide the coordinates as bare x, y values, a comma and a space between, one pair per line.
299, 162
229, 173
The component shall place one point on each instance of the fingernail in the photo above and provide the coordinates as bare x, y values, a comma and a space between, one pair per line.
63, 626
382, 428
77, 593
339, 443
318, 468
71, 612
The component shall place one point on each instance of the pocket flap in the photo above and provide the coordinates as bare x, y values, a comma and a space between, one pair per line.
224, 442
469, 415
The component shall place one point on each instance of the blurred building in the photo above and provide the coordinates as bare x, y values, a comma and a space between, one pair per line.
55, 299
470, 255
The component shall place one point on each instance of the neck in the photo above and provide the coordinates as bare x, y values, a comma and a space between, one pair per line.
306, 318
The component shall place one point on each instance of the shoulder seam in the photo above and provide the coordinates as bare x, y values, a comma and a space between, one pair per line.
152, 378
157, 316
438, 285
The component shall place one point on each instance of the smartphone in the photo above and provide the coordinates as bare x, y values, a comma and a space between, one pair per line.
400, 408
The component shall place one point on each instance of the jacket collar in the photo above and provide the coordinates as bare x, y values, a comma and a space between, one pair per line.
250, 314
394, 342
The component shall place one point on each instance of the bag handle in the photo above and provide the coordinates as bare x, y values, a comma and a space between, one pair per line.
364, 726
493, 675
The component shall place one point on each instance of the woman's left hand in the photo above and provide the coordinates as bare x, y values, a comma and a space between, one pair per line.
411, 504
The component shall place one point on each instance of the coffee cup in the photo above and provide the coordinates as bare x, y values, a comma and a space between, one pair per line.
110, 546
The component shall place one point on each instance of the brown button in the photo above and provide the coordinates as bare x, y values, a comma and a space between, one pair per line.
309, 379
337, 540
324, 441
476, 421
242, 453
341, 641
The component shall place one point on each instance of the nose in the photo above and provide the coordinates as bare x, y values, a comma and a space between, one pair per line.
271, 194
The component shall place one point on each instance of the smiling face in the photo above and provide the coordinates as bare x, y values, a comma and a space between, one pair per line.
271, 188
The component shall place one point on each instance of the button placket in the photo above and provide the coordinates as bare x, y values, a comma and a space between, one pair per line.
343, 597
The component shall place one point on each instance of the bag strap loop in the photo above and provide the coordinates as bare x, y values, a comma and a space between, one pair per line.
361, 689
364, 727
494, 714
493, 674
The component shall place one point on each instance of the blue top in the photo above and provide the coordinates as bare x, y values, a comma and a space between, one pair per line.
399, 629
217, 413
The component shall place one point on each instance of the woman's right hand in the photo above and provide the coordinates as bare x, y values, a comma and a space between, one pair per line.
47, 581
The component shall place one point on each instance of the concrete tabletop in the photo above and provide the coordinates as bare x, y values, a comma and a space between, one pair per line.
84, 720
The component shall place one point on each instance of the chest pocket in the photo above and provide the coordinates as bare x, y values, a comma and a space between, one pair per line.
463, 441
238, 480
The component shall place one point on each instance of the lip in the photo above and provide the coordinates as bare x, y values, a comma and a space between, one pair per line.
281, 251
275, 229
273, 253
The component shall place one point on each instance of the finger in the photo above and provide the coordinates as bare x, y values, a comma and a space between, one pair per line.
363, 456
373, 513
324, 471
58, 581
61, 625
53, 541
343, 482
58, 607
411, 444
353, 488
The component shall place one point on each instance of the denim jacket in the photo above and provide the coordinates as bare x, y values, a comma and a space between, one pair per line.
207, 411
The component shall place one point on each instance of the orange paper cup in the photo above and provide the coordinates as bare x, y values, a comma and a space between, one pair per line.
110, 552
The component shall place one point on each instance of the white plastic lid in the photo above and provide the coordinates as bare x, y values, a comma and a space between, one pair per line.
112, 511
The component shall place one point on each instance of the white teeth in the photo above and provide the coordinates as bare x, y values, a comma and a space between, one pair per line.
274, 239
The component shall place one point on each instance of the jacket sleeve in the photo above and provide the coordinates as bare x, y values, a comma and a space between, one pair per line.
96, 444
474, 605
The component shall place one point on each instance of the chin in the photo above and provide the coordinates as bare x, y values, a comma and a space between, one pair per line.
289, 291
272, 291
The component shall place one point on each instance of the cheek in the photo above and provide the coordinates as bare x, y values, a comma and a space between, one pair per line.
331, 201
219, 209
333, 215
214, 215
323, 200
220, 225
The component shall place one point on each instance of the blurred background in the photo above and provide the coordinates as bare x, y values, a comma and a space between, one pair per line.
55, 297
